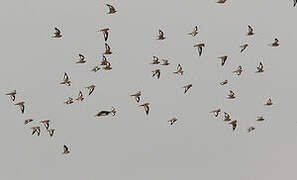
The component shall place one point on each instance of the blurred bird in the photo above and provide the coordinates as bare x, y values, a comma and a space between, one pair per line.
103, 61
105, 33
80, 96
275, 43
260, 68
294, 3
199, 46
27, 121
221, 1
66, 80
136, 96
81, 59
107, 67
224, 82
156, 73
51, 132
91, 89
155, 60
96, 68
179, 70
105, 113
223, 59
45, 123
69, 100
194, 32
21, 105
172, 121
146, 107
269, 102
250, 31
57, 33
250, 129
231, 95
187, 87
165, 62
216, 112
243, 47
260, 118
65, 150
12, 95
107, 49
234, 124
238, 71
112, 10
36, 129
161, 35
227, 116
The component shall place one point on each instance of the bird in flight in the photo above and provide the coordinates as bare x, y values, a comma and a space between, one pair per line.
199, 47
57, 33
221, 1
268, 102
45, 123
105, 33
80, 96
96, 68
81, 59
275, 43
238, 71
36, 129
260, 68
160, 35
103, 61
65, 150
27, 121
165, 62
107, 49
224, 82
250, 31
260, 118
136, 96
227, 116
21, 105
234, 124
231, 95
107, 67
223, 59
187, 87
66, 80
179, 70
146, 107
156, 73
155, 60
91, 89
12, 95
216, 112
69, 100
250, 129
243, 47
294, 3
105, 113
51, 132
172, 121
194, 32
112, 10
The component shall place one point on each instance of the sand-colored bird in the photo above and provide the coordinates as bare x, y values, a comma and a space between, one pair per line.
105, 33
260, 118
80, 96
27, 121
105, 113
107, 67
260, 68
136, 96
221, 1
146, 107
91, 88
66, 80
95, 68
227, 116
12, 95
268, 102
107, 49
45, 123
35, 129
69, 100
160, 35
231, 95
194, 32
223, 59
199, 47
224, 82
66, 150
57, 33
238, 71
187, 87
250, 31
216, 112
81, 59
179, 70
51, 132
243, 47
275, 43
21, 105
112, 10
156, 73
234, 124
250, 129
155, 60
165, 62
103, 61
172, 121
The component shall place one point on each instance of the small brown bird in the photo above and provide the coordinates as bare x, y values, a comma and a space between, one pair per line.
155, 60
96, 68
66, 80
156, 73
275, 43
36, 129
65, 150
112, 10
238, 71
243, 47
260, 118
107, 67
21, 105
165, 62
227, 116
103, 61
250, 31
136, 96
12, 95
172, 121
194, 32
45, 123
27, 121
234, 124
187, 87
221, 1
268, 102
91, 89
179, 70
107, 49
223, 59
105, 33
199, 46
250, 129
260, 68
231, 95
81, 59
80, 96
224, 82
216, 112
51, 132
105, 113
69, 100
146, 107
57, 33
161, 35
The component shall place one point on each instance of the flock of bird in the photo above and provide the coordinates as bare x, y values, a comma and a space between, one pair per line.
106, 65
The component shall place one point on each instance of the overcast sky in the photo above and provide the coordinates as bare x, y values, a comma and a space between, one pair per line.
132, 145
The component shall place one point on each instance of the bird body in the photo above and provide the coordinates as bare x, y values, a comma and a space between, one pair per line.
21, 105
12, 95
146, 107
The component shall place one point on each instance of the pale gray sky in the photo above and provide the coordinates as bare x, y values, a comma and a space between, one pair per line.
132, 145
